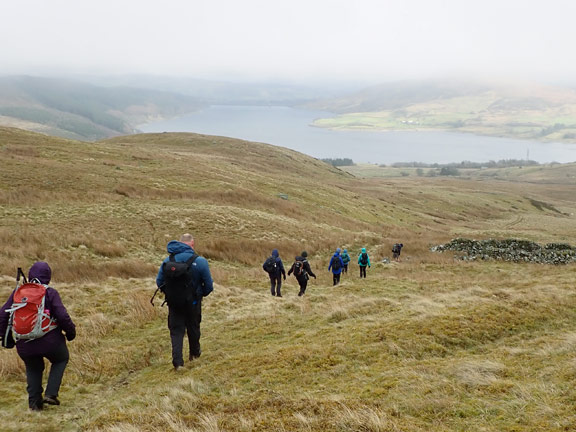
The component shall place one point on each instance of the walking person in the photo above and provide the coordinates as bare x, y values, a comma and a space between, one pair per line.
302, 271
336, 266
363, 262
275, 269
184, 278
345, 260
51, 344
396, 251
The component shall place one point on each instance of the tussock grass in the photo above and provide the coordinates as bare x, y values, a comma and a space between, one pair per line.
427, 344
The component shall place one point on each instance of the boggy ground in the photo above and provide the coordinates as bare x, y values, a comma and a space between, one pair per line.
427, 344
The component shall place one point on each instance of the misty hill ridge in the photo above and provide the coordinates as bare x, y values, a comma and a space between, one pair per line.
402, 94
73, 109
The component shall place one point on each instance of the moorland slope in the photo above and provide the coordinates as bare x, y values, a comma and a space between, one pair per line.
426, 344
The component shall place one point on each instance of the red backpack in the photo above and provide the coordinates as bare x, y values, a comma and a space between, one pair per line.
28, 315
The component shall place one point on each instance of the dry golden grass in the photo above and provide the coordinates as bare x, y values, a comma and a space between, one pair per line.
427, 344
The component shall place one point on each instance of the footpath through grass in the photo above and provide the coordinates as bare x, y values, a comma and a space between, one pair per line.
414, 347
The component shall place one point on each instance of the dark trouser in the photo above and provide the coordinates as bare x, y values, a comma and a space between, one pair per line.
363, 271
35, 369
345, 268
276, 284
303, 282
185, 320
336, 278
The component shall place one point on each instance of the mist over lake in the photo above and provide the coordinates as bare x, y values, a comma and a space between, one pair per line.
290, 128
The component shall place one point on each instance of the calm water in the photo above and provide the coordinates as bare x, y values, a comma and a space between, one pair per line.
288, 127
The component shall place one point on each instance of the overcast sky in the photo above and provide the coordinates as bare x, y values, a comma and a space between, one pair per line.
291, 39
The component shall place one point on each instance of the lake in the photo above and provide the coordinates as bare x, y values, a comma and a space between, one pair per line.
289, 127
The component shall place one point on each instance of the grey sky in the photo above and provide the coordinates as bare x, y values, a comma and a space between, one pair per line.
362, 39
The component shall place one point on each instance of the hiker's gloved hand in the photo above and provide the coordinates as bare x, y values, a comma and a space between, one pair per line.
314, 277
71, 335
284, 277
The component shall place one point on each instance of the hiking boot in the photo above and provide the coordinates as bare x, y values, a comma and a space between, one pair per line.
178, 368
194, 356
51, 400
301, 293
36, 407
278, 295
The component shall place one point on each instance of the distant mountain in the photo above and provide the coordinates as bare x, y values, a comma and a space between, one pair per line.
78, 110
518, 110
221, 92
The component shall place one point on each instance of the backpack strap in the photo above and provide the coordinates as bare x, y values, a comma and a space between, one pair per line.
191, 260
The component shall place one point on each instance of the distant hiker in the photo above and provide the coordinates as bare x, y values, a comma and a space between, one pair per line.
396, 250
275, 269
33, 344
345, 259
336, 265
184, 278
302, 271
363, 262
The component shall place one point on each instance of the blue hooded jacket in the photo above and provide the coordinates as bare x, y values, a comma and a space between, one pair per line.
336, 256
200, 271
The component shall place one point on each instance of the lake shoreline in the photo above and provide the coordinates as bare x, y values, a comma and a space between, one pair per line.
294, 129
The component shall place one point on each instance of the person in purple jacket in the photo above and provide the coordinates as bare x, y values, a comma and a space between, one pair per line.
51, 346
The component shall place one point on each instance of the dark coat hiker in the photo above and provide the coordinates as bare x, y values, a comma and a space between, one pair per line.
185, 308
302, 271
396, 251
51, 346
275, 269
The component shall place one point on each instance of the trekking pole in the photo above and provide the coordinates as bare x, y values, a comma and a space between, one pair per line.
154, 295
20, 273
7, 338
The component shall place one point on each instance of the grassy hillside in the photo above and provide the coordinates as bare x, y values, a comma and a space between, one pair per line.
74, 109
427, 344
525, 111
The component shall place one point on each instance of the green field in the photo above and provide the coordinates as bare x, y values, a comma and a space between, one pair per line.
426, 344
538, 117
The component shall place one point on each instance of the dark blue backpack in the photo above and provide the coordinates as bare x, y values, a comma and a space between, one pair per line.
336, 263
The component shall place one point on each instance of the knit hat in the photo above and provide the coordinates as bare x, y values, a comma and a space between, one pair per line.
337, 250
304, 254
41, 271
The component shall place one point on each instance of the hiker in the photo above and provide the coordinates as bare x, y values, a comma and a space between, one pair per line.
302, 271
345, 260
396, 250
336, 265
275, 269
50, 345
184, 295
363, 262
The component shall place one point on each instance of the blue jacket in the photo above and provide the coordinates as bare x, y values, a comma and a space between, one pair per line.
200, 271
338, 257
